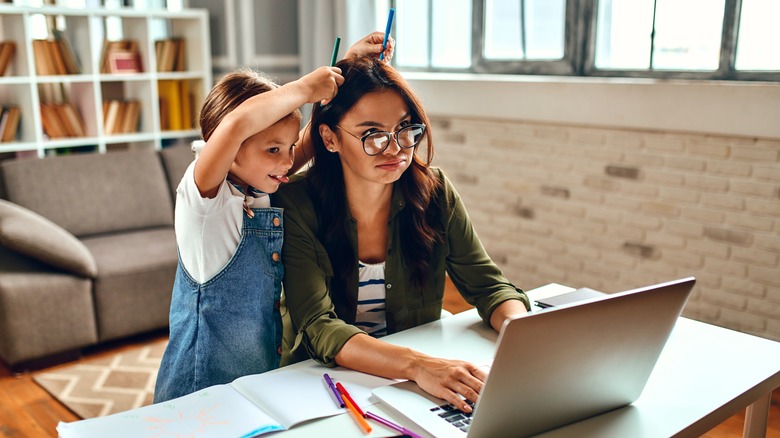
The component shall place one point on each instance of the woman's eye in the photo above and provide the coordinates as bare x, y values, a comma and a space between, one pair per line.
405, 123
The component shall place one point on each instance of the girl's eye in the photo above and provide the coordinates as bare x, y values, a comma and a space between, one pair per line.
273, 150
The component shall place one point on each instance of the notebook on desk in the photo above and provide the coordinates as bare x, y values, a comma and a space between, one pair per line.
559, 365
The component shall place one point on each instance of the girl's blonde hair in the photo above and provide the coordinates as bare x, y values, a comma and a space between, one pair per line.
230, 92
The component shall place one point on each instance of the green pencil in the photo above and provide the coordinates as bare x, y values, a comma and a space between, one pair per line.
335, 52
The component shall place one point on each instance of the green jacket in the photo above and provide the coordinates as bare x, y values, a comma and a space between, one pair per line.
322, 323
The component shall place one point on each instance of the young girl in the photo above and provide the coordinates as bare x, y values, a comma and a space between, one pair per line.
224, 320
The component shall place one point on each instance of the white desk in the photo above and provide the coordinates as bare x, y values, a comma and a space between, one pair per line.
704, 375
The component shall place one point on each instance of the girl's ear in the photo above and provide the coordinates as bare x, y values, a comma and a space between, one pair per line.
329, 138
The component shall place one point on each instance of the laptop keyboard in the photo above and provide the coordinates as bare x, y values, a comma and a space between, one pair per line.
455, 416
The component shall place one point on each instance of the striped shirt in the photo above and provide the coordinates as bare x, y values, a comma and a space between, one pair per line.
370, 315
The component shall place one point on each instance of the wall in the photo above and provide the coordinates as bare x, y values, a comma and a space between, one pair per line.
613, 209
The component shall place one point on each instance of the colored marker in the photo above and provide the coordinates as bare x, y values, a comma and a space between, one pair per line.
355, 412
333, 391
335, 54
387, 32
391, 425
348, 398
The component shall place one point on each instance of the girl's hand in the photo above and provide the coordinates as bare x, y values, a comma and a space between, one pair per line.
322, 84
371, 44
451, 380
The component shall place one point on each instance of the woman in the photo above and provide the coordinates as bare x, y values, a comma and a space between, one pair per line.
371, 230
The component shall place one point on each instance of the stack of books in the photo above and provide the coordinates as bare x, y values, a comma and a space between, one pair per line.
170, 54
176, 105
120, 57
55, 56
120, 117
61, 120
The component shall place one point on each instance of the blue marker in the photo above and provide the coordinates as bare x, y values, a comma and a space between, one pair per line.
387, 32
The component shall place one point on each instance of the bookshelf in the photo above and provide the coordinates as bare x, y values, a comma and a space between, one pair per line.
134, 78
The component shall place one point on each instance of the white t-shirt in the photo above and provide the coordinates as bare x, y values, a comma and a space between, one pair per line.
208, 230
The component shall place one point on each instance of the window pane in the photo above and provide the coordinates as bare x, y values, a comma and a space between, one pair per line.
759, 36
451, 45
687, 34
411, 25
545, 24
503, 36
623, 34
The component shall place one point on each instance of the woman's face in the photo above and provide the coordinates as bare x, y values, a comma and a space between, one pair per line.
377, 111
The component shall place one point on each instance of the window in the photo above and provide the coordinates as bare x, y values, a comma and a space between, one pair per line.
696, 39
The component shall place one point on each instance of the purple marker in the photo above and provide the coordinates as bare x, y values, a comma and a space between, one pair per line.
391, 425
333, 391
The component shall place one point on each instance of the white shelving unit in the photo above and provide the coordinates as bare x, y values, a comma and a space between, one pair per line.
86, 29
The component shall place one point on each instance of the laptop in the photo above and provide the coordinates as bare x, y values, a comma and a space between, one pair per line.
558, 365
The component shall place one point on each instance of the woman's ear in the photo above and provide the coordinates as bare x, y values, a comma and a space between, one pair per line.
329, 138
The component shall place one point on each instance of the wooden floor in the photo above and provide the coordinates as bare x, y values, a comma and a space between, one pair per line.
26, 410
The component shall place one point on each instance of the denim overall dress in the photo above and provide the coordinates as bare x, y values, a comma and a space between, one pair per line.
229, 326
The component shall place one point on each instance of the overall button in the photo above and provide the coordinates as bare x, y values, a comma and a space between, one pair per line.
388, 285
275, 256
277, 221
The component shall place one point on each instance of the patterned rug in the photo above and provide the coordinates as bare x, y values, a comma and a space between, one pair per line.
106, 385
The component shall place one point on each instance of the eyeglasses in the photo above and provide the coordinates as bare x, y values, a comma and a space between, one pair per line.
374, 143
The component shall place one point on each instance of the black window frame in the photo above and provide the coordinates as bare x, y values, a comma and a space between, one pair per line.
580, 51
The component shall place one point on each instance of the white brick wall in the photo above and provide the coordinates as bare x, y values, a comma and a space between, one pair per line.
614, 209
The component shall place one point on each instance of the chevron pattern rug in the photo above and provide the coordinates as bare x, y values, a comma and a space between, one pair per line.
106, 385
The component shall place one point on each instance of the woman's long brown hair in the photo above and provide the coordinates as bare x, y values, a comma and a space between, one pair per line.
326, 181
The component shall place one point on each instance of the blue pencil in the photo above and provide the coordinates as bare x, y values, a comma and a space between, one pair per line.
387, 32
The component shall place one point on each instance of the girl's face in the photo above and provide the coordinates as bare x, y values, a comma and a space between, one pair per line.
264, 159
378, 111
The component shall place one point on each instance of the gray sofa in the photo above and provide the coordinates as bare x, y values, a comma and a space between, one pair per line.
87, 249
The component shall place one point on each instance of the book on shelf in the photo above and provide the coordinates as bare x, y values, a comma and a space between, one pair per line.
170, 54
170, 105
121, 117
61, 120
7, 52
51, 58
249, 406
120, 57
72, 65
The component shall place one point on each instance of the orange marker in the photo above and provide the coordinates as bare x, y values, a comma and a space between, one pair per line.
353, 409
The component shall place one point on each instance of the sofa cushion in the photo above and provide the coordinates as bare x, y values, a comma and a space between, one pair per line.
175, 160
42, 312
136, 274
90, 194
30, 234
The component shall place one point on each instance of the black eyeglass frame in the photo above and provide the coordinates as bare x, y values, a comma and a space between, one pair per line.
390, 137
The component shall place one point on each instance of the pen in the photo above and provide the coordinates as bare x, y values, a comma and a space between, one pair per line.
348, 398
387, 33
333, 391
391, 425
354, 410
335, 54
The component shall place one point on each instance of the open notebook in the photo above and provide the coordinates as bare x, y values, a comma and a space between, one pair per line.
248, 406
558, 365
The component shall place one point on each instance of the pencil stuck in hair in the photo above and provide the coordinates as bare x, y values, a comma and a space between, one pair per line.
335, 54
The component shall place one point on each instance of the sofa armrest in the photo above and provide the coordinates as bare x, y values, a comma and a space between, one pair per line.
32, 235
